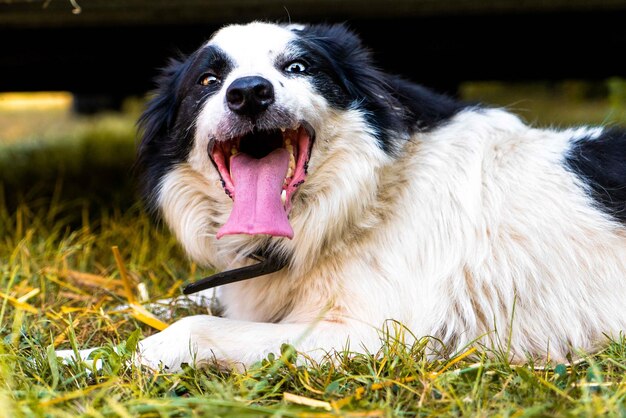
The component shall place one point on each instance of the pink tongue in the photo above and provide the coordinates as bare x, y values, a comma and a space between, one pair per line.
257, 207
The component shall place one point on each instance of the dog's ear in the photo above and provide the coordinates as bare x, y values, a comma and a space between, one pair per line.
157, 124
352, 68
350, 61
160, 114
340, 43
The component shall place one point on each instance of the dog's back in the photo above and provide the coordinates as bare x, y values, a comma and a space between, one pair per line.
509, 234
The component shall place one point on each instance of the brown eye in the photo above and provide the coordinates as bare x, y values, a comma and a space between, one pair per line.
208, 80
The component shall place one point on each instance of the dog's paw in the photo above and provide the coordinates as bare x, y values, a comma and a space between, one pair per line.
168, 349
186, 341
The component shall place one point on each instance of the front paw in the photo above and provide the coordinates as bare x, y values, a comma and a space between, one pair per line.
169, 349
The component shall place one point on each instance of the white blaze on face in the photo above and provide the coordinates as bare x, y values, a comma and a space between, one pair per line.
253, 47
252, 50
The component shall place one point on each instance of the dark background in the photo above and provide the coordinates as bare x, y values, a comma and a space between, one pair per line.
106, 50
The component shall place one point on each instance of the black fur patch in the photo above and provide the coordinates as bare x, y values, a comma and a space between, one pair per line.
426, 109
166, 124
343, 72
601, 163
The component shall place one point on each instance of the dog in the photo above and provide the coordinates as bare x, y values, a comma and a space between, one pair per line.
376, 199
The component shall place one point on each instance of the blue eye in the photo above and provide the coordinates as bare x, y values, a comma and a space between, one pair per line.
295, 67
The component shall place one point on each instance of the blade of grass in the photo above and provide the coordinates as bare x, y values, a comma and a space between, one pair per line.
128, 289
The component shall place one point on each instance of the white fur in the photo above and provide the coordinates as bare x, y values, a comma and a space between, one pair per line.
474, 231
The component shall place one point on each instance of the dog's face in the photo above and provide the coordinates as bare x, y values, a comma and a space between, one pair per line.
266, 132
257, 123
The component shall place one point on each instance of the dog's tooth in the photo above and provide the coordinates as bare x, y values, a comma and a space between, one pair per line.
290, 171
234, 151
230, 166
283, 196
283, 130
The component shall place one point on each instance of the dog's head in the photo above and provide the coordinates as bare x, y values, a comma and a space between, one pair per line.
267, 132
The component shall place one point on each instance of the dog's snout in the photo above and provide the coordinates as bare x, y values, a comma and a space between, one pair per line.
250, 96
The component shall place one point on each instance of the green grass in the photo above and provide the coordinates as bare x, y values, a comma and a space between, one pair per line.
555, 105
67, 198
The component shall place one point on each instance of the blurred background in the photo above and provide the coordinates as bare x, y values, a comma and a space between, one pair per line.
75, 74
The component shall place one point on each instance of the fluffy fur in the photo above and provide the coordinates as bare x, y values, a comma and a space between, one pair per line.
459, 222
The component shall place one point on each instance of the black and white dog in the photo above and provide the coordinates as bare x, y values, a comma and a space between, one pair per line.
382, 199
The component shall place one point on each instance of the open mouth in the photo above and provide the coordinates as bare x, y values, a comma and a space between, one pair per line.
260, 171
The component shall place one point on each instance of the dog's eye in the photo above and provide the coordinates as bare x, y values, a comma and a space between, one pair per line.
208, 79
295, 67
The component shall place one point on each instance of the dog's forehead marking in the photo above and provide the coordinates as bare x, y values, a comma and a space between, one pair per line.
251, 43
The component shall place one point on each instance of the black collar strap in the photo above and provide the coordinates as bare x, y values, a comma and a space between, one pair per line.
265, 266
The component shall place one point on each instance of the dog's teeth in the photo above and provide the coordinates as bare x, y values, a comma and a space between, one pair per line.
234, 151
283, 130
230, 163
292, 165
283, 197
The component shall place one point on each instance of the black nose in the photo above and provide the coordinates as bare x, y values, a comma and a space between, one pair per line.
250, 96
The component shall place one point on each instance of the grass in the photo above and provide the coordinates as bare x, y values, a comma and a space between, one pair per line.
556, 105
67, 199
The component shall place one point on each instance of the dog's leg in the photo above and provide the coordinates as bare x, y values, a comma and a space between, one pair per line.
161, 308
200, 339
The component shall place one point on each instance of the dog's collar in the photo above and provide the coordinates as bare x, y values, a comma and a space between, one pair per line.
265, 266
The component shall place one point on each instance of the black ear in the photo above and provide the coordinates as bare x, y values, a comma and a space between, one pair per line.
393, 106
160, 111
344, 52
348, 64
158, 148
